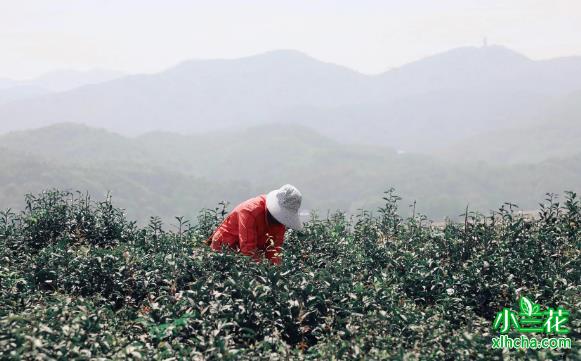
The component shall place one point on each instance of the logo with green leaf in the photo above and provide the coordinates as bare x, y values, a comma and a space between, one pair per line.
530, 319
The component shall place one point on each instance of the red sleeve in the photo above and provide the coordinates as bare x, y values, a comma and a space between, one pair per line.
247, 234
274, 250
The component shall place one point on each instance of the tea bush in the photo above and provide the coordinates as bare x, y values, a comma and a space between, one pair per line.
80, 281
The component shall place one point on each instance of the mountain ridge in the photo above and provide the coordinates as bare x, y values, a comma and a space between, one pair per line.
480, 91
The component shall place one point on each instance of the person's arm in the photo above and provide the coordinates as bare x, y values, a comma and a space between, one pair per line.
274, 250
247, 234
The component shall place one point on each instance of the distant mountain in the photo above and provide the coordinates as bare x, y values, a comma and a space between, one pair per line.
20, 92
169, 174
442, 99
552, 133
422, 106
422, 122
63, 80
56, 81
485, 68
457, 69
196, 96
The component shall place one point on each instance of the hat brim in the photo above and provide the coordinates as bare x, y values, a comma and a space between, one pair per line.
289, 218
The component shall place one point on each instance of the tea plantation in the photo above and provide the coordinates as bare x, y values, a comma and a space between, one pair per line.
80, 281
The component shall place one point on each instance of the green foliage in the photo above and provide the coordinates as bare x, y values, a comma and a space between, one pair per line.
78, 280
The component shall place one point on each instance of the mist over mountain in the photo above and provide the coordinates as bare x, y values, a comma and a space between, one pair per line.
475, 126
55, 81
485, 68
554, 132
422, 106
63, 80
168, 174
196, 95
21, 92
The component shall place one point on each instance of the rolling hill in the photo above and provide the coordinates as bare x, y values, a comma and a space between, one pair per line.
421, 106
169, 174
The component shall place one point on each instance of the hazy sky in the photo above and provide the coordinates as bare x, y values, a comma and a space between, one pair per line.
370, 36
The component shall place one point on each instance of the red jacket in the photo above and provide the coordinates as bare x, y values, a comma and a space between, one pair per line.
247, 229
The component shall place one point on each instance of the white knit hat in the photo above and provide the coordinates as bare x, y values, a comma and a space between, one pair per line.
284, 204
